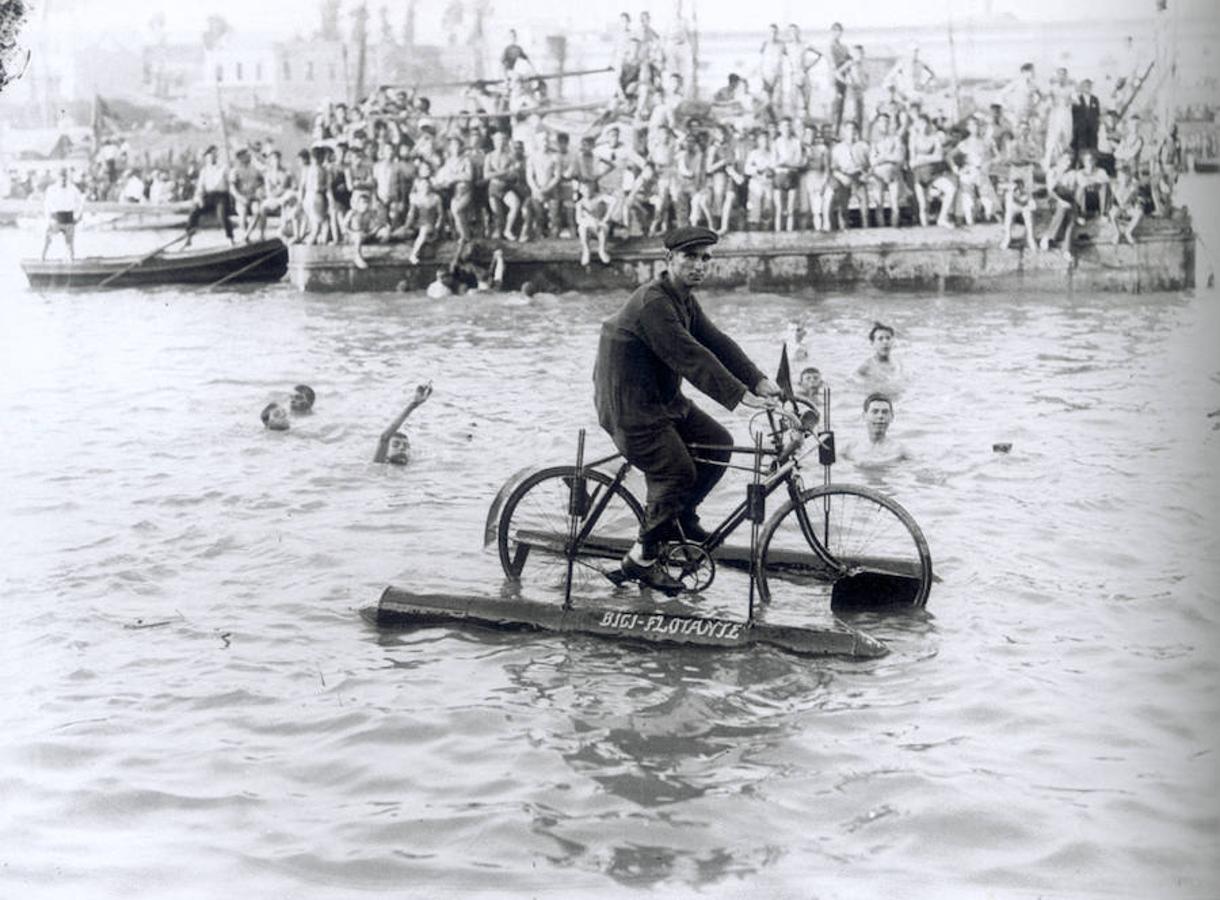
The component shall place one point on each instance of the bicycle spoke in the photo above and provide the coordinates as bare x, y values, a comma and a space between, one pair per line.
536, 518
870, 541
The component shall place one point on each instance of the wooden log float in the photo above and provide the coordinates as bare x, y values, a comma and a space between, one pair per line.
402, 608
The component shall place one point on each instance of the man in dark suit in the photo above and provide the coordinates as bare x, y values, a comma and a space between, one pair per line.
660, 336
1086, 120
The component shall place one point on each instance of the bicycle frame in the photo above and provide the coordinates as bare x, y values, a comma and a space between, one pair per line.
785, 474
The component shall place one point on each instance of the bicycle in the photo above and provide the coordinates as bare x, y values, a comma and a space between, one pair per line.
564, 523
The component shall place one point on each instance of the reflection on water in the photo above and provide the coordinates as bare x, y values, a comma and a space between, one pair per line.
186, 675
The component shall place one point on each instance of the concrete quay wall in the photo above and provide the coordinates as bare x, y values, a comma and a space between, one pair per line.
966, 259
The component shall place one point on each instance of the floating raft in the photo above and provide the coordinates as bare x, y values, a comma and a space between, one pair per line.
402, 608
908, 258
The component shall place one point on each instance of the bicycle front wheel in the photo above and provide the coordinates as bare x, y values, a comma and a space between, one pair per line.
851, 545
534, 536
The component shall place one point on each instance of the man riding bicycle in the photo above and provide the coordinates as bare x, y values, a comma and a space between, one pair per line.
660, 336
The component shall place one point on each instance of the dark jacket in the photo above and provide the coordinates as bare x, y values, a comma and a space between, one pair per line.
1086, 121
660, 336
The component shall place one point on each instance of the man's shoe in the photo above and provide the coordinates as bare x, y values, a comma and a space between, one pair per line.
693, 531
653, 576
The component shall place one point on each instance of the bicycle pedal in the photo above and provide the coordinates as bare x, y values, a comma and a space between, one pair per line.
616, 577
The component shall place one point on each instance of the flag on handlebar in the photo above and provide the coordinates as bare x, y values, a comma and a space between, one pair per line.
783, 376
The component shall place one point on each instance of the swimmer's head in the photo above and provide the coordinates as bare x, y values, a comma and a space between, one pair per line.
303, 397
881, 336
878, 414
528, 288
811, 379
275, 417
398, 451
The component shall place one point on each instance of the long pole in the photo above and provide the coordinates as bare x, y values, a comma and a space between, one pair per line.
1134, 91
143, 259
957, 96
694, 49
433, 85
224, 126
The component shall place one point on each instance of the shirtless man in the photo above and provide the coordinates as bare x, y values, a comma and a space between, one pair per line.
1126, 208
64, 206
759, 167
247, 181
1061, 187
592, 218
277, 187
424, 212
910, 76
365, 223
881, 371
880, 450
848, 170
930, 174
1092, 188
785, 184
771, 65
971, 159
886, 160
394, 447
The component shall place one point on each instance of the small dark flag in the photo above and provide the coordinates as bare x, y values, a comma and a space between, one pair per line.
783, 377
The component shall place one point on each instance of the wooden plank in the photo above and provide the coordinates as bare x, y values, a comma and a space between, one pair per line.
402, 608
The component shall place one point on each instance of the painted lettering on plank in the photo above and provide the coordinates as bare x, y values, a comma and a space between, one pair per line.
664, 624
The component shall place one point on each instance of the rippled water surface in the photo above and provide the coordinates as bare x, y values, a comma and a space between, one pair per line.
193, 706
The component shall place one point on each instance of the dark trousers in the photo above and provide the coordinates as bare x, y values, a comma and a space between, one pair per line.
221, 202
836, 109
676, 483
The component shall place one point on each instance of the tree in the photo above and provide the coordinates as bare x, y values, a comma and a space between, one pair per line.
387, 30
330, 20
408, 27
216, 30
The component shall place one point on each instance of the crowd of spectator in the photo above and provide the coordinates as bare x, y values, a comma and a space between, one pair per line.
388, 169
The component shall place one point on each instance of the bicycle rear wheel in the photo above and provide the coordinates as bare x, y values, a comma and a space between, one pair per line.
850, 545
533, 535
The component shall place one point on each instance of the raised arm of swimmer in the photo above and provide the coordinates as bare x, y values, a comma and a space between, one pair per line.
393, 446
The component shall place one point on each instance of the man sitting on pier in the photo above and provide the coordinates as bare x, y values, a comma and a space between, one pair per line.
211, 194
394, 447
660, 336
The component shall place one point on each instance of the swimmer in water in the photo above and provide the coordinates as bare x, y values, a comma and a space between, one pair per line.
879, 450
394, 447
881, 371
301, 401
810, 385
275, 417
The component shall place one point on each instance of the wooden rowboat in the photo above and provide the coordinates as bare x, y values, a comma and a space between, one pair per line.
259, 261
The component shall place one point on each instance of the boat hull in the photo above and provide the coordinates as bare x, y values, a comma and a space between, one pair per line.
262, 261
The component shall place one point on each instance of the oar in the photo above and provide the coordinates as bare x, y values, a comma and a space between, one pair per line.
246, 268
144, 259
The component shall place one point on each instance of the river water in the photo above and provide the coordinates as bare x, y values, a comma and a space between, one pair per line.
194, 707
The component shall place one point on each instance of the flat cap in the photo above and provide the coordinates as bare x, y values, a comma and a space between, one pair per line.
689, 237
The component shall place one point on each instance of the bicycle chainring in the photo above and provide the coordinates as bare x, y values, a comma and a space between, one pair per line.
690, 564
